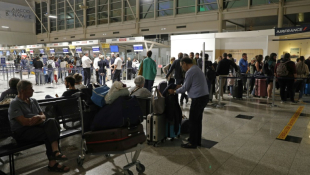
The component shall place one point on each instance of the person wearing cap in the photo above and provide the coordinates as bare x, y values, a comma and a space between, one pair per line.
139, 90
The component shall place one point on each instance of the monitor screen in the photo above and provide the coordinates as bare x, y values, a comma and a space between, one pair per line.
1, 52
41, 51
14, 52
52, 51
96, 49
23, 51
114, 48
138, 48
78, 50
65, 50
7, 53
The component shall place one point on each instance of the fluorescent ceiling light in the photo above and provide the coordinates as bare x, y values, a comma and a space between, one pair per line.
52, 16
5, 27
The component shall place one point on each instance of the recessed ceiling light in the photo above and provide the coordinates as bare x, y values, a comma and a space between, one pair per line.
5, 27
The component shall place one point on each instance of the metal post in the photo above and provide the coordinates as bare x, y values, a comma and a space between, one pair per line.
3, 72
28, 72
7, 77
247, 87
220, 90
273, 92
21, 73
13, 72
203, 57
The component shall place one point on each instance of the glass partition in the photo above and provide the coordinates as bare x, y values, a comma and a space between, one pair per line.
165, 8
186, 6
146, 9
127, 12
102, 16
235, 4
207, 5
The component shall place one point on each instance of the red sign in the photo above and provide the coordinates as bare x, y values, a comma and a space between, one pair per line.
84, 42
122, 39
160, 66
56, 44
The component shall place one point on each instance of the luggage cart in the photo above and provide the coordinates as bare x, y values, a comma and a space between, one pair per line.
134, 160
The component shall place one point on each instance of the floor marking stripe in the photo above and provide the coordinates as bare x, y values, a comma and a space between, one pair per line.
290, 124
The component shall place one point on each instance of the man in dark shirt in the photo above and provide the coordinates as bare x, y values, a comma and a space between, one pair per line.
308, 62
178, 75
223, 70
12, 92
70, 85
38, 65
68, 59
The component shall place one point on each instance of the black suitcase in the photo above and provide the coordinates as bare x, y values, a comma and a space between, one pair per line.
238, 89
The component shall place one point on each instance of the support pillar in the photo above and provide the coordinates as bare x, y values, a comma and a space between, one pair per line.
220, 16
280, 13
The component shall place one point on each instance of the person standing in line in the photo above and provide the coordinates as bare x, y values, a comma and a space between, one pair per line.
41, 57
117, 68
38, 71
167, 67
96, 67
270, 73
149, 71
102, 69
63, 67
67, 58
196, 87
196, 57
113, 58
108, 71
178, 75
191, 56
86, 64
50, 66
308, 62
302, 71
129, 68
243, 64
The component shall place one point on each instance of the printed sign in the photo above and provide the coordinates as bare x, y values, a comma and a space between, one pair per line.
41, 51
1, 53
8, 53
44, 59
16, 12
105, 46
96, 49
71, 47
291, 30
65, 50
78, 50
3, 60
31, 51
52, 51
138, 48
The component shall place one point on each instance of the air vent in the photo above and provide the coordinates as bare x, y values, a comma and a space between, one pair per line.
42, 39
72, 36
115, 32
180, 27
92, 34
145, 30
55, 38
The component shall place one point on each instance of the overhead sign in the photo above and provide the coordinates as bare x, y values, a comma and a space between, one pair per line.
17, 47
4, 48
35, 46
1, 53
16, 12
138, 48
120, 40
96, 49
31, 51
83, 43
65, 50
105, 46
3, 60
71, 47
8, 53
291, 30
41, 51
52, 51
78, 50
57, 44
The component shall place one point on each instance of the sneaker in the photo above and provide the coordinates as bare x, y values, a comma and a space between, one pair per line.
293, 103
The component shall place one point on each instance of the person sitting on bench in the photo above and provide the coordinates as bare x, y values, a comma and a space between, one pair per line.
78, 81
69, 83
29, 124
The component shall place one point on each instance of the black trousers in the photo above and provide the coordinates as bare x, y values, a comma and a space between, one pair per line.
286, 86
117, 75
97, 76
129, 74
195, 119
49, 132
183, 95
86, 76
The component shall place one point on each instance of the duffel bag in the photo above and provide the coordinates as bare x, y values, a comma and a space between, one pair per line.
123, 112
98, 95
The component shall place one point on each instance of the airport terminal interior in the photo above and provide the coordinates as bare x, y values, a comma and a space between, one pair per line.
252, 92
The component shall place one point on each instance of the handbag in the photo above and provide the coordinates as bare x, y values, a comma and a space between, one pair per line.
141, 69
158, 102
98, 95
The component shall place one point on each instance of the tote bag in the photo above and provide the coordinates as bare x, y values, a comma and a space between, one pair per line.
99, 94
158, 102
141, 69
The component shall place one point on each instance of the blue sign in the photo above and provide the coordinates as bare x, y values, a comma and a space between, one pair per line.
65, 50
78, 50
3, 60
138, 48
114, 48
41, 51
52, 51
96, 49
1, 53
291, 30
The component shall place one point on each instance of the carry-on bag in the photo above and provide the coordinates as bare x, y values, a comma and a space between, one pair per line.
238, 89
261, 87
307, 89
155, 128
162, 86
118, 139
99, 94
158, 102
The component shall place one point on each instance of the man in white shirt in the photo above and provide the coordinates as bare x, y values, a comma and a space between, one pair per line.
117, 68
86, 64
96, 67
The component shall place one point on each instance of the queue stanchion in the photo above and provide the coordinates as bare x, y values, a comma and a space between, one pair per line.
247, 87
273, 92
13, 72
219, 95
7, 77
3, 73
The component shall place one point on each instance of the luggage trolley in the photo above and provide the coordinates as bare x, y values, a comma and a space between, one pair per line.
134, 160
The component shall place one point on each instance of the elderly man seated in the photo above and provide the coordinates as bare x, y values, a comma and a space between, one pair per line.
78, 81
29, 124
139, 90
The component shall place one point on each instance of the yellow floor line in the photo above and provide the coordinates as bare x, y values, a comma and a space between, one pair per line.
290, 124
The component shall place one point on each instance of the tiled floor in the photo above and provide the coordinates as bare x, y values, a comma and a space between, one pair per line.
244, 146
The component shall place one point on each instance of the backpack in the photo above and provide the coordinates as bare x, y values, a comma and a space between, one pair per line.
282, 70
49, 66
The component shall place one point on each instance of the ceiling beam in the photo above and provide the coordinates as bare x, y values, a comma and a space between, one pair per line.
235, 24
294, 23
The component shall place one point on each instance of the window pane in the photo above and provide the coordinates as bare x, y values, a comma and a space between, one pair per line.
103, 21
165, 13
116, 19
127, 11
128, 18
90, 23
186, 10
102, 15
147, 15
79, 13
115, 13
240, 3
90, 3
102, 2
90, 17
117, 5
184, 3
90, 10
102, 8
206, 1
262, 2
146, 8
132, 3
165, 5
77, 22
77, 3
207, 7
70, 26
61, 27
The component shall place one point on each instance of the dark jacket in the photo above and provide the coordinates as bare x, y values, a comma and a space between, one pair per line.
224, 65
207, 63
10, 93
308, 63
102, 64
178, 74
129, 64
38, 64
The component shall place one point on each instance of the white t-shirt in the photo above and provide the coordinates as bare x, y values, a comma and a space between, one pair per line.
96, 60
86, 61
118, 63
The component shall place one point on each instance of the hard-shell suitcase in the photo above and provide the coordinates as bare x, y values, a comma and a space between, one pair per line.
118, 139
307, 89
162, 86
238, 89
261, 87
170, 131
155, 128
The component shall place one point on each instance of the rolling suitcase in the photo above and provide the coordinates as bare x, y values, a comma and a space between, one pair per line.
261, 87
238, 89
162, 86
307, 89
118, 139
155, 128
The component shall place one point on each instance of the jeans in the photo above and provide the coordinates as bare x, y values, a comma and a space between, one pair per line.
195, 119
231, 87
286, 86
48, 131
102, 79
301, 84
149, 84
97, 77
117, 75
86, 76
39, 76
50, 76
